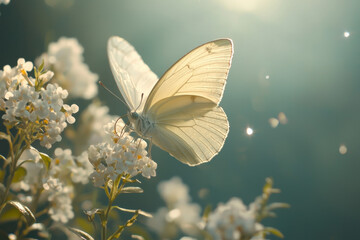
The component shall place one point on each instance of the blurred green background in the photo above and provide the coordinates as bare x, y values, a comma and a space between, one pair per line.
313, 77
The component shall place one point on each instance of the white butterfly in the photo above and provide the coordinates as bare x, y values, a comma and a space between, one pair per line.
179, 112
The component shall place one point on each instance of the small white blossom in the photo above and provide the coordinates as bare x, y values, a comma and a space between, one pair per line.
69, 110
83, 169
65, 58
174, 192
233, 220
120, 154
65, 166
61, 209
180, 213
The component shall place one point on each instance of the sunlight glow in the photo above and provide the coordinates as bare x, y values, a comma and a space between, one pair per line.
267, 77
249, 131
342, 149
259, 7
346, 34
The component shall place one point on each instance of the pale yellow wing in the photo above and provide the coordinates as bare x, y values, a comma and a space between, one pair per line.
202, 72
132, 76
191, 129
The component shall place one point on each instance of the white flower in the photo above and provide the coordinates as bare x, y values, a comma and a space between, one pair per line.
119, 154
180, 214
27, 66
52, 183
65, 57
61, 209
81, 172
43, 107
233, 220
159, 224
148, 167
69, 111
62, 164
174, 192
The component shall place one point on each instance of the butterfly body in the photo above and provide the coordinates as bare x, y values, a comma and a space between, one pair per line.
179, 112
141, 124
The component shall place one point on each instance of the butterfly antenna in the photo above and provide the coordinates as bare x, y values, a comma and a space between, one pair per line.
121, 100
141, 99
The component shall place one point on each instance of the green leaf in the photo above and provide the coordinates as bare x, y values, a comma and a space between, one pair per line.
91, 213
133, 211
36, 231
268, 185
83, 235
46, 160
2, 175
44, 157
138, 237
2, 192
274, 231
131, 190
36, 73
206, 213
276, 205
41, 67
129, 180
25, 211
19, 174
2, 157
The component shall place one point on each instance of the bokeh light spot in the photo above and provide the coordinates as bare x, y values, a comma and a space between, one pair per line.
342, 149
282, 118
249, 131
274, 122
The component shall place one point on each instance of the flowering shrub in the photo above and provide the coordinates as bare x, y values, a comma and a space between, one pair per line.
42, 191
230, 221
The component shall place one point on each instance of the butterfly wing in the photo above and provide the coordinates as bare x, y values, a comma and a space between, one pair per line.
132, 76
183, 104
192, 129
202, 72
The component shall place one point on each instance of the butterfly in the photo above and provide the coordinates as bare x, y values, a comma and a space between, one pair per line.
179, 112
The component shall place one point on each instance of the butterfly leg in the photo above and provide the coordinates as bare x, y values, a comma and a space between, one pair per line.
123, 129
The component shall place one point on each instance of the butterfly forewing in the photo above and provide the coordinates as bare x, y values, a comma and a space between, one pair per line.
133, 77
202, 72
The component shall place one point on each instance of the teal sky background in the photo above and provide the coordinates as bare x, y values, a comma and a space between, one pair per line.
314, 78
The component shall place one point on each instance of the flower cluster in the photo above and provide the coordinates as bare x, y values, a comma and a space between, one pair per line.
30, 105
179, 213
56, 183
234, 220
90, 131
119, 154
65, 58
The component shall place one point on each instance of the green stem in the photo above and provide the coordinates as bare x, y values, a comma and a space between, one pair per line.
15, 153
114, 192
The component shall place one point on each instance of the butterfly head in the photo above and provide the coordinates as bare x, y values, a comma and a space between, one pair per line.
134, 115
